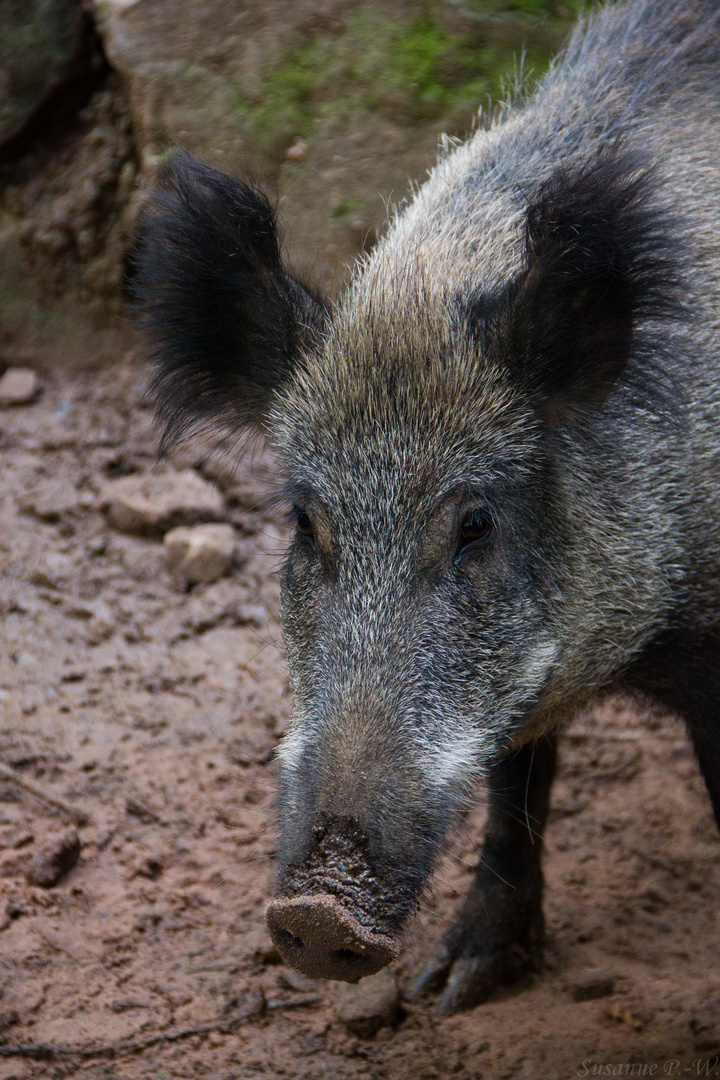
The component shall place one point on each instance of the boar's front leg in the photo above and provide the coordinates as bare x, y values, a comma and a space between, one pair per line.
498, 933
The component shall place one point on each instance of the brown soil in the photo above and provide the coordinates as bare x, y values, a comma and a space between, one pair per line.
156, 709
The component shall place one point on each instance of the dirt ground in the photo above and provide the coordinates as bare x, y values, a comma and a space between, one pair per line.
156, 708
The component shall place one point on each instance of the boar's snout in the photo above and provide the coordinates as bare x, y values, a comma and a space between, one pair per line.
319, 937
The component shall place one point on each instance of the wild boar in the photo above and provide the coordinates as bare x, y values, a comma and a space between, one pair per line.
500, 452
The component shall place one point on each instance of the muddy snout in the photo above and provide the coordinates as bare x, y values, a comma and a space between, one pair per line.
318, 936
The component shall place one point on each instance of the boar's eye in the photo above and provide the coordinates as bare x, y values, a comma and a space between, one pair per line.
475, 531
303, 524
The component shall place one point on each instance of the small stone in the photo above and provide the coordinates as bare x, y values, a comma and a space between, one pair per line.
140, 807
202, 553
50, 501
705, 1026
102, 619
591, 983
8, 1017
59, 855
294, 980
153, 503
654, 897
297, 151
372, 1004
18, 386
52, 571
149, 865
40, 49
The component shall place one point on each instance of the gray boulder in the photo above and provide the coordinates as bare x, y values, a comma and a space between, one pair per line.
40, 44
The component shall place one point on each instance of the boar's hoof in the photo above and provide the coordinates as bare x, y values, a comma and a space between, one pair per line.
319, 937
471, 962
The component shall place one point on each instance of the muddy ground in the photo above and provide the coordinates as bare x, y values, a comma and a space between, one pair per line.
156, 708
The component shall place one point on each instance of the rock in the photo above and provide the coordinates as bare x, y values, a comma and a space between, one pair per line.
50, 500
149, 865
102, 620
96, 546
208, 76
18, 386
591, 983
52, 571
202, 553
372, 1004
297, 151
141, 807
59, 855
8, 1017
153, 503
294, 980
188, 67
40, 47
705, 1027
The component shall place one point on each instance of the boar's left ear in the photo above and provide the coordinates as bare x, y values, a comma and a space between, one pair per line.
226, 320
600, 262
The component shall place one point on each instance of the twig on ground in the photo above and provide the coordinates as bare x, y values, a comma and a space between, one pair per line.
295, 1003
78, 817
48, 1051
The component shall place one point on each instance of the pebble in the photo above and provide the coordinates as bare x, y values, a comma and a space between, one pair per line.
372, 1004
51, 500
97, 546
705, 1026
52, 571
202, 553
592, 983
59, 855
151, 504
8, 1017
294, 980
18, 386
297, 151
149, 865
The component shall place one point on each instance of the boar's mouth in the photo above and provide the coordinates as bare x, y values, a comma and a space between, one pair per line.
318, 936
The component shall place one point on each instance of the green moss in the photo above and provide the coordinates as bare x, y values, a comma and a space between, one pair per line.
411, 70
348, 208
537, 8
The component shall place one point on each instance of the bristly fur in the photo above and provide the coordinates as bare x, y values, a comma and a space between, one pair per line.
604, 260
225, 317
504, 447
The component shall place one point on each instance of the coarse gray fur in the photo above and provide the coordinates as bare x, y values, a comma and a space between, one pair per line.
635, 499
419, 662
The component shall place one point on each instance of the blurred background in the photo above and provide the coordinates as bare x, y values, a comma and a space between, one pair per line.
334, 105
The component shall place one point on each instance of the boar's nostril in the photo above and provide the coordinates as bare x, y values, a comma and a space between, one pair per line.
345, 955
319, 937
289, 941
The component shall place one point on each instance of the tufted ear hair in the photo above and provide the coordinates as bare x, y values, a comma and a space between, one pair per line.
225, 319
600, 263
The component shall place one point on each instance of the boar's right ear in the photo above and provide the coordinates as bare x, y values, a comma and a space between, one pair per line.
601, 262
225, 319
